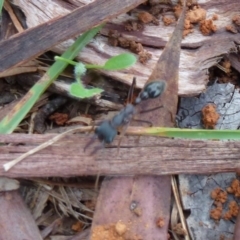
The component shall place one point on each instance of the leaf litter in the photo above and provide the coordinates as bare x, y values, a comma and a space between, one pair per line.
65, 203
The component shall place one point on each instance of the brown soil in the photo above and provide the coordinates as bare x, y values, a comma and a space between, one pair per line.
115, 39
207, 27
118, 231
210, 116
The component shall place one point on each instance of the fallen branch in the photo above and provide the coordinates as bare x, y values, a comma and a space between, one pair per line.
149, 156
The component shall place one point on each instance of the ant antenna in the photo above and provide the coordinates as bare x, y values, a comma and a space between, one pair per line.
131, 90
151, 109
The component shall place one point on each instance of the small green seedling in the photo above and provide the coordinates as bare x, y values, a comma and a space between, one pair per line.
118, 62
20, 110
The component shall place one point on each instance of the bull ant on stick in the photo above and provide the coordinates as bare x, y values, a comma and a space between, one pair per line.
108, 129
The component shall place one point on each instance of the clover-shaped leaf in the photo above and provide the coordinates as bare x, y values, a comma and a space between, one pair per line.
79, 91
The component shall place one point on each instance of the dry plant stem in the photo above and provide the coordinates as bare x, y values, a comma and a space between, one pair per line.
28, 67
222, 68
15, 21
9, 165
31, 125
174, 219
179, 207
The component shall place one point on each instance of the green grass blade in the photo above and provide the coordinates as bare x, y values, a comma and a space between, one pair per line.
1, 6
16, 115
187, 133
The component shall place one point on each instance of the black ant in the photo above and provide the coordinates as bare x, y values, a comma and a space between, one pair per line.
108, 129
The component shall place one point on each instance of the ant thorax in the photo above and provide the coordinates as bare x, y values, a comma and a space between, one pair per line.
124, 116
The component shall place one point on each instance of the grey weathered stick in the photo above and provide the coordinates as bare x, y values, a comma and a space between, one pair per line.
32, 42
12, 163
168, 156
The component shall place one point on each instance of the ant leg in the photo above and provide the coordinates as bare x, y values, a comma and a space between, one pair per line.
90, 142
143, 121
145, 111
97, 148
151, 109
171, 115
123, 131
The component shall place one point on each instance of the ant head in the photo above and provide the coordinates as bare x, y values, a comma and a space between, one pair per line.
152, 90
106, 132
155, 89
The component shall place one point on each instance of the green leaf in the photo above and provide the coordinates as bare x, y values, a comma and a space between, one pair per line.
79, 91
120, 61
